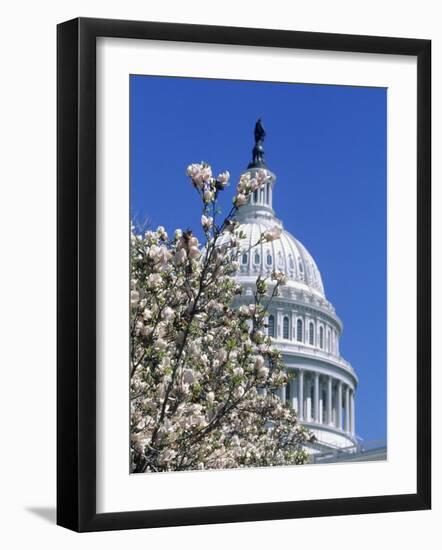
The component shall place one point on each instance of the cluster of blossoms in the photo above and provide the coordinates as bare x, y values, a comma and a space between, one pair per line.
247, 185
201, 176
203, 373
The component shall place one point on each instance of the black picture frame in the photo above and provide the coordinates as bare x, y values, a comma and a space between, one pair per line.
76, 274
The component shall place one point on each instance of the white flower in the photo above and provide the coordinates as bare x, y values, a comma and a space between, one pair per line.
194, 252
160, 344
238, 392
279, 276
206, 222
193, 349
188, 376
193, 170
154, 252
262, 176
154, 279
244, 310
208, 196
262, 372
210, 397
147, 314
162, 232
193, 241
199, 173
181, 256
206, 172
168, 313
134, 297
240, 200
258, 336
223, 179
272, 234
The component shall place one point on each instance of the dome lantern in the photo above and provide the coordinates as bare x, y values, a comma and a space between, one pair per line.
261, 200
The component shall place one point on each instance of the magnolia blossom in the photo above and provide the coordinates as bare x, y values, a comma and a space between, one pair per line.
194, 252
208, 195
154, 279
134, 297
210, 397
240, 200
272, 234
199, 174
161, 232
279, 276
223, 179
206, 222
168, 313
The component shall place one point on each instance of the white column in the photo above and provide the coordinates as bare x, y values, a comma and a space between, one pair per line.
347, 408
352, 412
293, 326
329, 400
316, 397
308, 398
278, 331
295, 392
282, 393
321, 402
301, 395
339, 406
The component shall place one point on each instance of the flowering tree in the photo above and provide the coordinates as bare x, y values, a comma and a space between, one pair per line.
203, 373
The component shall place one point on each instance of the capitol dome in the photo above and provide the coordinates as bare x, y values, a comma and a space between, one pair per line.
301, 321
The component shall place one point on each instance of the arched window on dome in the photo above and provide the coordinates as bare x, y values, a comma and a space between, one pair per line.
311, 334
299, 331
301, 268
328, 340
285, 328
271, 327
280, 260
314, 274
269, 259
291, 262
257, 258
244, 258
321, 337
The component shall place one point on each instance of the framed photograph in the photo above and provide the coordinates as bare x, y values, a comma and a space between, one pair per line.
228, 200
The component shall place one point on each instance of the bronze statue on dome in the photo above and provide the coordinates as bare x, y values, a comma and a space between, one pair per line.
258, 149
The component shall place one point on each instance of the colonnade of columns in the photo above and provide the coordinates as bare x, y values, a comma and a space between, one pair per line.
322, 399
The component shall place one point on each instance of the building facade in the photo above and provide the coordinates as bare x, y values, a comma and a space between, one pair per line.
301, 321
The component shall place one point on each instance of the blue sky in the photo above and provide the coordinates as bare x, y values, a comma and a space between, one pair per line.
327, 147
